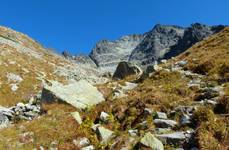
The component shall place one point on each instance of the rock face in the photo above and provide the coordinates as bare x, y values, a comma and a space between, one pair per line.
162, 42
79, 94
107, 54
168, 41
125, 69
156, 43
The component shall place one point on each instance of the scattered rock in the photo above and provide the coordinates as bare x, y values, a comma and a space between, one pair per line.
133, 132
161, 115
150, 141
90, 147
163, 123
14, 78
95, 126
104, 134
81, 142
76, 116
185, 120
181, 63
104, 117
176, 138
148, 111
14, 87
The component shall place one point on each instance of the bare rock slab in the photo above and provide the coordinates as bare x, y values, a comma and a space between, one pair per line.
80, 94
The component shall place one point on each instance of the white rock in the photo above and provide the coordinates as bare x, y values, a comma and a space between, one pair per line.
81, 142
79, 94
104, 116
104, 134
164, 61
14, 87
95, 126
161, 115
151, 141
148, 111
164, 123
90, 147
76, 116
22, 105
14, 77
133, 132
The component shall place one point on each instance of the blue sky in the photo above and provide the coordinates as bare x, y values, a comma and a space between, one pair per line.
76, 25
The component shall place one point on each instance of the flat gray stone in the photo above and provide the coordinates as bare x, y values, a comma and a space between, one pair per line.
172, 138
80, 94
164, 123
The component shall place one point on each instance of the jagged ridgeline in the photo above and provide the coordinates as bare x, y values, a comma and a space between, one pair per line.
162, 42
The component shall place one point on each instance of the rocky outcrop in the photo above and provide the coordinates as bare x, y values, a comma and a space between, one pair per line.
80, 94
107, 54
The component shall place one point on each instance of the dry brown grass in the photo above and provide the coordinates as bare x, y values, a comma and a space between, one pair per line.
31, 83
57, 125
211, 56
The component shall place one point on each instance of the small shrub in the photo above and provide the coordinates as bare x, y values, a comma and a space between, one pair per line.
223, 105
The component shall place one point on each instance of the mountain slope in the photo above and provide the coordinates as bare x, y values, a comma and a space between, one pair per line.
25, 64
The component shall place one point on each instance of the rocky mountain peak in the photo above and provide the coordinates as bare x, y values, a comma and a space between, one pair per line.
107, 54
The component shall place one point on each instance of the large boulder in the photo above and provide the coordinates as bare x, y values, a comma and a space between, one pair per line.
150, 141
125, 69
80, 94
